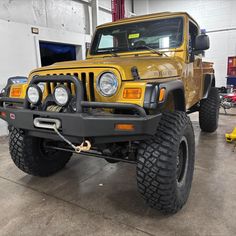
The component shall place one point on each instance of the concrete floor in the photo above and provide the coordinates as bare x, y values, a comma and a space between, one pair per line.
92, 197
3, 128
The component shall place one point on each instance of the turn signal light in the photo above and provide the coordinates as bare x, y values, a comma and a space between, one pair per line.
162, 94
15, 92
132, 93
124, 127
3, 114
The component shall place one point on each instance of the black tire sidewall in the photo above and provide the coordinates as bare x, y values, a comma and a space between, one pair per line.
209, 111
183, 190
29, 156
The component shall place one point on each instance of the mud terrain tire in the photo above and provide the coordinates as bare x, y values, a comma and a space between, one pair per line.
29, 155
209, 111
166, 164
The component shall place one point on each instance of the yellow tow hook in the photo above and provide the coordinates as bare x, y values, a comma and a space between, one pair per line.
83, 147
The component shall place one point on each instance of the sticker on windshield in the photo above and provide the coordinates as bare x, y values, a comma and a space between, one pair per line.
134, 36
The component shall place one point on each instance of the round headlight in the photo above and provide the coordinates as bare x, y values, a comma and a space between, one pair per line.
61, 95
107, 84
34, 94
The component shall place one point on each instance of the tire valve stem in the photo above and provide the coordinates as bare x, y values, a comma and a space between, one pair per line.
83, 147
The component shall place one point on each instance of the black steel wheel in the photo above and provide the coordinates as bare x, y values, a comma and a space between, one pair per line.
182, 160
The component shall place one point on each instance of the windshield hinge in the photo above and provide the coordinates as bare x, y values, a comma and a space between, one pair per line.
135, 74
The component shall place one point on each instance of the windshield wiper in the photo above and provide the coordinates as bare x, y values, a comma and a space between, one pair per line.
150, 49
109, 51
114, 54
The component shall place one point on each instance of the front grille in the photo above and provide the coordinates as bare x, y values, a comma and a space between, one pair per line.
87, 80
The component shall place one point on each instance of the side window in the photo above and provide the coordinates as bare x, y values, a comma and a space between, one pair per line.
193, 32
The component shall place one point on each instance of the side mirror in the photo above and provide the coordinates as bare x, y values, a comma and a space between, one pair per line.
202, 42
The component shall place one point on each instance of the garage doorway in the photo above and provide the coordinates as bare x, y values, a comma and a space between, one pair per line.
56, 52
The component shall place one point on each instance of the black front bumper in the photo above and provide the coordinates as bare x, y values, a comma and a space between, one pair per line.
99, 128
76, 126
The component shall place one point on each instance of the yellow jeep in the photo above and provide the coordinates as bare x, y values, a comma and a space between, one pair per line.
128, 101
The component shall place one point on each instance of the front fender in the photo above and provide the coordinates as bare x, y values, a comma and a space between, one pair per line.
175, 87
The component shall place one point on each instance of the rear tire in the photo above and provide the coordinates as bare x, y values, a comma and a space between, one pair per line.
209, 111
165, 164
30, 156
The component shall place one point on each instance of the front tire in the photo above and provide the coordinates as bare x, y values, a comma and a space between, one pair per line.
30, 156
209, 111
166, 163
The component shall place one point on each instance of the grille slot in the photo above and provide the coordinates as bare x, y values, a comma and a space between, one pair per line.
91, 86
83, 79
76, 75
49, 88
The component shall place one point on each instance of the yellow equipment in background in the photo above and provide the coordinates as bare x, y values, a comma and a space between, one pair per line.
231, 137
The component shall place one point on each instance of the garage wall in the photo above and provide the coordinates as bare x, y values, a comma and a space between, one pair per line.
65, 15
212, 15
20, 48
104, 16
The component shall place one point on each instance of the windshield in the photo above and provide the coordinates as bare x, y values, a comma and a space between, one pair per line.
156, 34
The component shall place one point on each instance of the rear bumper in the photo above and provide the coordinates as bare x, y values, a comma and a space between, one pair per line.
100, 128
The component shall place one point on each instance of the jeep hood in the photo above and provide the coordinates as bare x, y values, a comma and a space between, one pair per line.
151, 67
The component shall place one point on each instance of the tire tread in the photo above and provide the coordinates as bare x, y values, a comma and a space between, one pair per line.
28, 158
156, 166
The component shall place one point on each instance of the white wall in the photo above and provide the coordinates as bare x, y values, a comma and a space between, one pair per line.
20, 48
66, 15
211, 15
104, 16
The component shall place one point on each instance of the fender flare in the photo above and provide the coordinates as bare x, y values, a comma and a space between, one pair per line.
175, 87
209, 81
